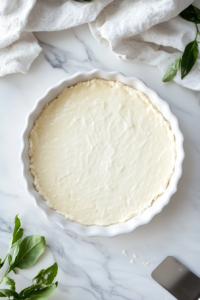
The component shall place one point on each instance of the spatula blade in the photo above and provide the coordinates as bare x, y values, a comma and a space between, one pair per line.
177, 279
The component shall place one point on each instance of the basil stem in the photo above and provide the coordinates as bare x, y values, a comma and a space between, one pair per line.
25, 254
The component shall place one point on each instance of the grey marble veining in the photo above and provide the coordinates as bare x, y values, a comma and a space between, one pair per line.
71, 61
95, 268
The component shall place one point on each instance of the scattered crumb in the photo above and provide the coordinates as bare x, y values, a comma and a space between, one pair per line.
132, 261
146, 263
124, 252
134, 255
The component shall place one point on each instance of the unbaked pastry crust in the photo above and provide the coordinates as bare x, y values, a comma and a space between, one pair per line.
101, 153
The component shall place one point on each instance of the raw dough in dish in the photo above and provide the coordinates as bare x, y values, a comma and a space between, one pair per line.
101, 153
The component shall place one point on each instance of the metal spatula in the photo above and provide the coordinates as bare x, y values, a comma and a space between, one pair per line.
177, 279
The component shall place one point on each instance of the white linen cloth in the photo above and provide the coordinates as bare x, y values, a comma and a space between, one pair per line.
139, 30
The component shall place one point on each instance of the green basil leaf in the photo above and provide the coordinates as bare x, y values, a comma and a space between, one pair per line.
46, 276
190, 15
189, 58
10, 282
9, 259
197, 10
28, 251
42, 293
172, 70
14, 256
17, 224
17, 233
27, 291
8, 293
2, 295
1, 263
17, 237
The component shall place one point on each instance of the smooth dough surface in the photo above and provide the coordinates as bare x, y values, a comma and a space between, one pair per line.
100, 153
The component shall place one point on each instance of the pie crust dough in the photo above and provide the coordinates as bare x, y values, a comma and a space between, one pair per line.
101, 153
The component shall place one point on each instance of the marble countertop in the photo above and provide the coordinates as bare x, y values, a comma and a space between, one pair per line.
95, 268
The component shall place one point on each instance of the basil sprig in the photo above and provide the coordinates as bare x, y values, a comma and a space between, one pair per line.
25, 254
191, 52
41, 291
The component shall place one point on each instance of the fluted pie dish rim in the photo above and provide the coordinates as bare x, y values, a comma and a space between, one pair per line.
134, 222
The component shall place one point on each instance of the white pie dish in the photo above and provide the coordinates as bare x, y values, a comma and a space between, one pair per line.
149, 213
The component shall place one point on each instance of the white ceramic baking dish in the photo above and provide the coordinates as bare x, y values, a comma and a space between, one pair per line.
149, 213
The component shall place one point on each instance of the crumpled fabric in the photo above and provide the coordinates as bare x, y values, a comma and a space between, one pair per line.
19, 56
150, 32
20, 18
138, 30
